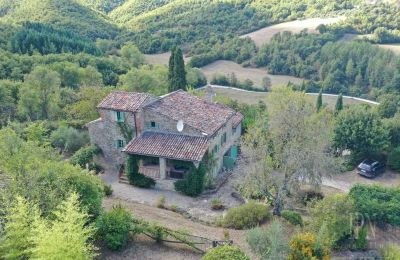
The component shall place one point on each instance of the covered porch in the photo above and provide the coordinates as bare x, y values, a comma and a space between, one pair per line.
167, 155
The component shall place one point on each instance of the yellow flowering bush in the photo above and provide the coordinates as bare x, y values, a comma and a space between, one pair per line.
305, 246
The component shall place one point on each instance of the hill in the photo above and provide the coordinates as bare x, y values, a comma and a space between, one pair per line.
104, 6
133, 8
62, 14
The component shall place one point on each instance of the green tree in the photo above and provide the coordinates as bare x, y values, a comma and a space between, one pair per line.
225, 253
339, 104
132, 55
177, 73
319, 101
359, 129
39, 95
15, 242
67, 236
266, 83
8, 100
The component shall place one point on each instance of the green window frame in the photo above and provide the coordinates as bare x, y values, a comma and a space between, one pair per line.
119, 143
120, 116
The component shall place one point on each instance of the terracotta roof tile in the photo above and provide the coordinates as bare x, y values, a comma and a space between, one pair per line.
124, 101
194, 111
167, 145
237, 118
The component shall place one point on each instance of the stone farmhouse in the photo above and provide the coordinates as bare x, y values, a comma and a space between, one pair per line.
163, 130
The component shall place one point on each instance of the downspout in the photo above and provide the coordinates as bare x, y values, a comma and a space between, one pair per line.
134, 119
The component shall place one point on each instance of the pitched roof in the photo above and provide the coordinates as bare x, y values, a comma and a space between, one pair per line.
124, 101
193, 111
237, 118
167, 145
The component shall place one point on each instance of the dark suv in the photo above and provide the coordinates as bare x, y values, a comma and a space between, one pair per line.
370, 168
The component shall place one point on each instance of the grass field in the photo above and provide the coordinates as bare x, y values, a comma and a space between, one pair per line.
254, 97
393, 47
161, 58
254, 74
264, 35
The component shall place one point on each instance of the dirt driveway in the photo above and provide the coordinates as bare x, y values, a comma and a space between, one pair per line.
345, 181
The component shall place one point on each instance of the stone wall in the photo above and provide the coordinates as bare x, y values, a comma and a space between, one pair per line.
105, 131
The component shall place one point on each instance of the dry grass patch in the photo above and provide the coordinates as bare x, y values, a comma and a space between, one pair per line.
264, 35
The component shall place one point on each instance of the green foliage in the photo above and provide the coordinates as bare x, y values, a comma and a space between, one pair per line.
319, 101
147, 78
391, 252
394, 159
306, 246
339, 104
176, 71
376, 203
40, 169
389, 105
225, 253
361, 239
108, 190
193, 182
269, 243
17, 232
136, 178
216, 204
132, 55
292, 217
84, 155
195, 77
32, 37
360, 130
336, 213
232, 81
67, 236
68, 139
8, 100
39, 95
113, 227
246, 216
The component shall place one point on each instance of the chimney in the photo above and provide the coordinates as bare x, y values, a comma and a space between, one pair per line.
209, 94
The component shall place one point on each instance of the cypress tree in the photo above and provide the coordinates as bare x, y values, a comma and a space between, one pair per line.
319, 101
176, 70
339, 104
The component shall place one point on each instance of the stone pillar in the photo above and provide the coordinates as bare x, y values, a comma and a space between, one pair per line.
163, 168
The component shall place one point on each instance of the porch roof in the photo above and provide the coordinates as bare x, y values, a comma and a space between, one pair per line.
168, 145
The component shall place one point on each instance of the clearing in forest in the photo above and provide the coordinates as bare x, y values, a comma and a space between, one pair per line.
254, 74
265, 34
161, 58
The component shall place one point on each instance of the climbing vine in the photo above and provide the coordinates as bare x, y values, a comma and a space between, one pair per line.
132, 172
126, 131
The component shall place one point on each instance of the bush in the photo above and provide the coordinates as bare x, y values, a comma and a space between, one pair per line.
376, 203
336, 213
135, 178
108, 190
84, 155
305, 246
391, 252
292, 217
114, 227
307, 196
361, 240
216, 204
161, 202
193, 184
225, 253
69, 139
270, 242
394, 159
246, 216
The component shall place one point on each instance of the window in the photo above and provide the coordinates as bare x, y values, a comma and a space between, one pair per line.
153, 124
216, 148
120, 116
223, 139
120, 143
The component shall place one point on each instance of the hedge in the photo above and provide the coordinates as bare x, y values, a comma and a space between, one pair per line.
292, 217
246, 216
135, 178
225, 253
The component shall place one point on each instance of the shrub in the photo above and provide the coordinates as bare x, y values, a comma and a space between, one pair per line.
394, 159
84, 155
292, 217
193, 183
307, 196
270, 242
361, 240
114, 227
391, 252
135, 178
173, 207
246, 216
69, 139
305, 246
376, 203
216, 204
225, 253
161, 202
108, 190
336, 213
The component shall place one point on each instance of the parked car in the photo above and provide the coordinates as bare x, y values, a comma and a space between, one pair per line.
370, 168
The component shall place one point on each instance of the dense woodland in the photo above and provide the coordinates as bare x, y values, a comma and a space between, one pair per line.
59, 58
